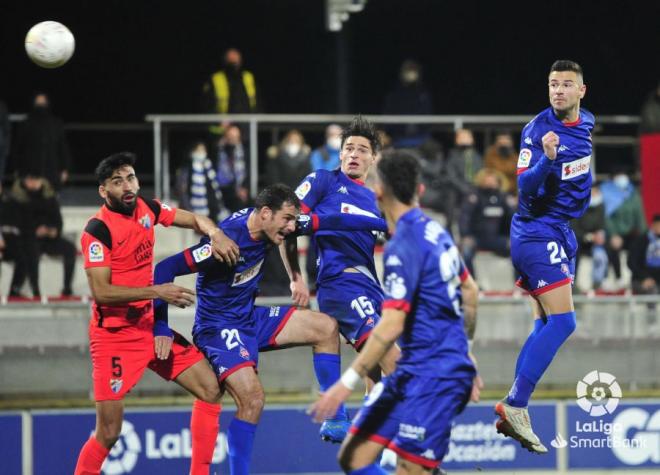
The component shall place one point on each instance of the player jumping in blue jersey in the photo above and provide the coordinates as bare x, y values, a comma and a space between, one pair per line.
427, 292
554, 183
230, 330
347, 285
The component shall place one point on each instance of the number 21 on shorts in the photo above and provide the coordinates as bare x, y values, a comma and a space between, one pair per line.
557, 253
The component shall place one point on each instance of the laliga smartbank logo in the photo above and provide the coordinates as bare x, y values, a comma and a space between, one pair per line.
598, 394
152, 445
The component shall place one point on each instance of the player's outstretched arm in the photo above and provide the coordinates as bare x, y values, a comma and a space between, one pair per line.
383, 336
105, 293
289, 254
224, 249
308, 224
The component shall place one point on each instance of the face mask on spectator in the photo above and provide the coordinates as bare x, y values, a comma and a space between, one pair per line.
334, 143
621, 181
596, 200
198, 155
292, 149
410, 76
463, 147
504, 150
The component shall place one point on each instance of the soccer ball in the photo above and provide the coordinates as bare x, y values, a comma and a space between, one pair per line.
49, 44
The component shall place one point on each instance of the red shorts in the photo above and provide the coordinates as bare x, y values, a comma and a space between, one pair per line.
120, 356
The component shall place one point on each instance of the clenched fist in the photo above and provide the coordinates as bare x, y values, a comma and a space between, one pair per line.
550, 143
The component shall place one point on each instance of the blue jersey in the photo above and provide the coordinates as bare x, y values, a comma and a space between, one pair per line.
565, 192
228, 292
423, 273
332, 192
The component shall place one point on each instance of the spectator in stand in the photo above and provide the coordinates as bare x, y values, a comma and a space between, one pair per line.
644, 260
485, 218
41, 144
231, 90
590, 233
650, 113
5, 140
288, 162
409, 97
33, 208
197, 186
436, 199
624, 217
502, 156
231, 169
463, 164
326, 157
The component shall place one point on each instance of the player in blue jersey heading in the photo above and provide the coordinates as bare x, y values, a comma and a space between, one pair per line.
554, 183
430, 305
347, 285
230, 330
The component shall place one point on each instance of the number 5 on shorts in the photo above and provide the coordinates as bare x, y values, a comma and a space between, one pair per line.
116, 366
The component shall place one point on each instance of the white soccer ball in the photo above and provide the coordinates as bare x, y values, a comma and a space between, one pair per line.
49, 44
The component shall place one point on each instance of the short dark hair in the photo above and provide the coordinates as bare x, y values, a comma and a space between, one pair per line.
400, 173
275, 196
361, 127
109, 164
567, 65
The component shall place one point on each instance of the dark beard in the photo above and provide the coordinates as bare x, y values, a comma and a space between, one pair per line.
119, 206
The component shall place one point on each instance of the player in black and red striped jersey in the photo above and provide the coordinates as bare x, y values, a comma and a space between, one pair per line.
117, 245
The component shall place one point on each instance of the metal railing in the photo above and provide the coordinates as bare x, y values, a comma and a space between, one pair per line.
162, 122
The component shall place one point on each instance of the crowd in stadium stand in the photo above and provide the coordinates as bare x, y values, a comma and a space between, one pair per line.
471, 191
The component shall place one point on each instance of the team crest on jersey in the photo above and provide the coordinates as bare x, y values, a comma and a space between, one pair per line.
524, 158
95, 252
370, 322
575, 168
202, 253
395, 286
145, 221
247, 275
245, 354
116, 384
303, 189
565, 270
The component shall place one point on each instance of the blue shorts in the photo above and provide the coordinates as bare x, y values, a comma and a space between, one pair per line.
230, 345
355, 301
413, 415
542, 254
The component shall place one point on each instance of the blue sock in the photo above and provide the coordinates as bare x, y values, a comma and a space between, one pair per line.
327, 367
240, 437
372, 469
538, 325
540, 353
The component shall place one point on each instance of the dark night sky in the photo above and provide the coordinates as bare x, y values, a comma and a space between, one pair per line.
483, 57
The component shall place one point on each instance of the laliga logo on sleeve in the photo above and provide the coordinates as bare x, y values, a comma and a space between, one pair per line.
598, 393
95, 252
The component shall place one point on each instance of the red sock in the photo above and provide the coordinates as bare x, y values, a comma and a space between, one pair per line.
91, 458
204, 428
